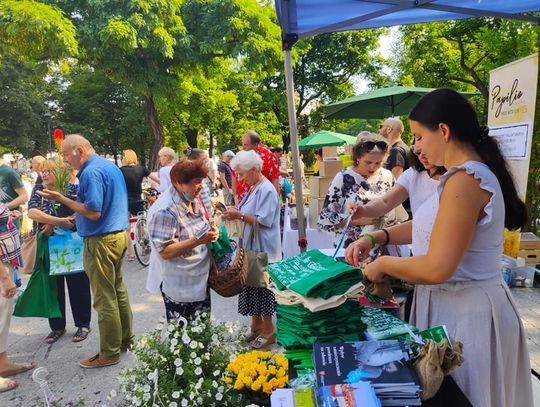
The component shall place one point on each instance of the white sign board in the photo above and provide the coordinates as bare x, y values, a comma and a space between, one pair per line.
513, 140
512, 102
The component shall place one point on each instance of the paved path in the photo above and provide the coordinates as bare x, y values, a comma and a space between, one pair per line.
66, 378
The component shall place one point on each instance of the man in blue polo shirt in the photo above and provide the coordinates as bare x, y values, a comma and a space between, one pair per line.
102, 216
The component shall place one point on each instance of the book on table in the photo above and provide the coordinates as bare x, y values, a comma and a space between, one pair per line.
384, 364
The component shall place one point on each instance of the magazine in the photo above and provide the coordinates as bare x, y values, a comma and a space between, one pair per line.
351, 362
384, 364
347, 395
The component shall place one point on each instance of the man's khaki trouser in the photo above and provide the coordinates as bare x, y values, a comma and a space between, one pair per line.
103, 256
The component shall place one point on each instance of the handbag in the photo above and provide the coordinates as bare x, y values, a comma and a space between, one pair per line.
28, 252
65, 253
227, 282
40, 298
257, 276
29, 247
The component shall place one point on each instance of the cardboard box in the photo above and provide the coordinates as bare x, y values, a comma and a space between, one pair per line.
329, 168
318, 186
529, 241
530, 256
315, 206
329, 152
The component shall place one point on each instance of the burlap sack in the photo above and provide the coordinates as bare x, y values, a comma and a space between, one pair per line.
435, 361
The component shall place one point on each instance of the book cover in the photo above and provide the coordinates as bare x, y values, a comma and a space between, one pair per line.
347, 395
379, 362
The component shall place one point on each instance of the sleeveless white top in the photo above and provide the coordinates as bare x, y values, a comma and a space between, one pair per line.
423, 196
482, 259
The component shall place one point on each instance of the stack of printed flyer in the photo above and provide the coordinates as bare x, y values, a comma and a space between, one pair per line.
385, 365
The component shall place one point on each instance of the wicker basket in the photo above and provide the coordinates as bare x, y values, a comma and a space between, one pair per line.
230, 282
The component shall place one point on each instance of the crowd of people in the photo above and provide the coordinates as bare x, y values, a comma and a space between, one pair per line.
449, 196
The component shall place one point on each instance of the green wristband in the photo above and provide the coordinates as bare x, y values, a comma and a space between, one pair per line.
373, 239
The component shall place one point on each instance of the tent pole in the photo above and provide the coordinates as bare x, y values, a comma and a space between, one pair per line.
298, 187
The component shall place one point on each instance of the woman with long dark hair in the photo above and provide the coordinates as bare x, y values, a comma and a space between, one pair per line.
459, 280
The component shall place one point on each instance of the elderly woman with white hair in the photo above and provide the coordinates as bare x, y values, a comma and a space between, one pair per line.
167, 157
261, 205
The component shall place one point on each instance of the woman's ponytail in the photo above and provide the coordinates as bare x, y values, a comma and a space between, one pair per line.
448, 106
488, 149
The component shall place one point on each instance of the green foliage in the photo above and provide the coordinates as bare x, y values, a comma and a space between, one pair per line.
35, 31
324, 68
62, 177
23, 96
110, 115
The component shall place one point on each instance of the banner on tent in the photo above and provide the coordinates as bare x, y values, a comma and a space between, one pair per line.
511, 114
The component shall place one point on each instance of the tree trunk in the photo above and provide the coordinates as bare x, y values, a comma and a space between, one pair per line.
211, 145
191, 137
157, 132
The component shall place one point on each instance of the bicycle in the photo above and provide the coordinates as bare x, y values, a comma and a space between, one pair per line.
139, 231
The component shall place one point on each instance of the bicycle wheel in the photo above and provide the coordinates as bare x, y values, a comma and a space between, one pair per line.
141, 243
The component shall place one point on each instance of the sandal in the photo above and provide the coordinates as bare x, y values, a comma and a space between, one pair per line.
81, 334
54, 336
261, 342
15, 369
131, 258
7, 385
251, 336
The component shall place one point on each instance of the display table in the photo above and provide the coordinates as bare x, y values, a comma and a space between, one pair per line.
317, 239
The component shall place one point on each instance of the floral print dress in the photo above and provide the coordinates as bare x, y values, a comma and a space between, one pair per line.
347, 187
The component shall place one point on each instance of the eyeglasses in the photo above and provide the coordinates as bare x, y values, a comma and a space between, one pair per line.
46, 172
370, 145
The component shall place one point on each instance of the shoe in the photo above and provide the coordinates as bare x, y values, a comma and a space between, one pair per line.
15, 369
81, 334
251, 336
261, 342
98, 361
54, 336
125, 348
131, 258
7, 385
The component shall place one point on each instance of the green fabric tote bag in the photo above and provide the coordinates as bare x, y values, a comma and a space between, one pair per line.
40, 298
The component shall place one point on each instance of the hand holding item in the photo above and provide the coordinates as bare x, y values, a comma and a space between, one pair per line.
358, 251
209, 237
232, 213
373, 272
15, 215
66, 223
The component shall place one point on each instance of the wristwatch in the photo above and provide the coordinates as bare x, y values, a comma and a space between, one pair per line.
242, 217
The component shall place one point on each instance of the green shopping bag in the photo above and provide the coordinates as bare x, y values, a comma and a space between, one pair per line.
314, 274
40, 298
222, 246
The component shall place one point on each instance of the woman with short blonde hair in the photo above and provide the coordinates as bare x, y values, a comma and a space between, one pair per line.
134, 175
129, 157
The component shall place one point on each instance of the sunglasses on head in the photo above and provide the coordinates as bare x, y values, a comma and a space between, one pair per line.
370, 145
